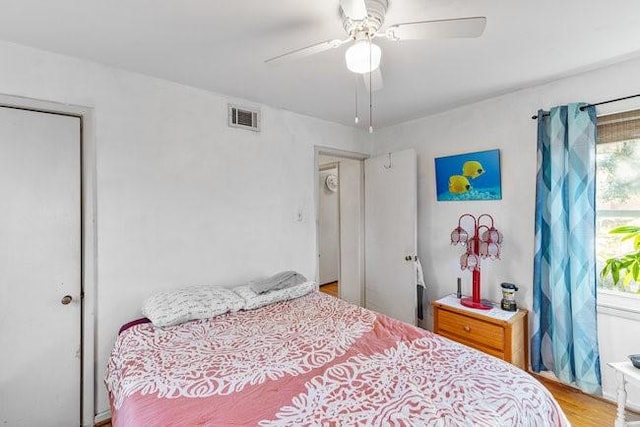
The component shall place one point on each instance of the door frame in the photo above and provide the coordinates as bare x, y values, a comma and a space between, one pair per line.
353, 155
88, 232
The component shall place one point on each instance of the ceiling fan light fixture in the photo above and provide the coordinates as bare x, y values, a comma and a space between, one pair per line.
357, 57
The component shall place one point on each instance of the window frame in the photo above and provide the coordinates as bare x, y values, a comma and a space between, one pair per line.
613, 298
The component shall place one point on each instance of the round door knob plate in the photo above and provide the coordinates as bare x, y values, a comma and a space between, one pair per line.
66, 299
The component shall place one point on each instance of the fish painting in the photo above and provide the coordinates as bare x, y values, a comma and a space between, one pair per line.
458, 184
472, 169
468, 176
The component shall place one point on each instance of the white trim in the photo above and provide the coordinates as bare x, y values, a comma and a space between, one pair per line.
336, 152
609, 396
102, 416
618, 312
90, 265
89, 240
613, 398
619, 304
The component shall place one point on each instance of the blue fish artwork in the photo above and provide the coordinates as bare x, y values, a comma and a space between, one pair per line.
471, 176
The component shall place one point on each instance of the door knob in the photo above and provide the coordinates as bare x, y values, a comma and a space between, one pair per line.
409, 258
66, 299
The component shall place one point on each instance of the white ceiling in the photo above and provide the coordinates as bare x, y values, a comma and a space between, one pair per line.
220, 45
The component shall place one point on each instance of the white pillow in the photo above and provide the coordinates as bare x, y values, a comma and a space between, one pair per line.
196, 302
253, 300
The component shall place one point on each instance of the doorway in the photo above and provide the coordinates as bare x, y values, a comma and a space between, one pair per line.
329, 227
340, 224
377, 230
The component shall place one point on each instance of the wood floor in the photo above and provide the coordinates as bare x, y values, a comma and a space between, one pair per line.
581, 409
330, 288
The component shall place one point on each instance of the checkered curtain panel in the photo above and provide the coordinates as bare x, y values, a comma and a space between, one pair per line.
565, 337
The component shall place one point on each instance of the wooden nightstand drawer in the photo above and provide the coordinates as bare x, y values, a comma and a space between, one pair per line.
469, 329
506, 339
489, 350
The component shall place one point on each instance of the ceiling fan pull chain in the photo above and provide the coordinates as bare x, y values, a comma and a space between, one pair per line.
355, 80
370, 91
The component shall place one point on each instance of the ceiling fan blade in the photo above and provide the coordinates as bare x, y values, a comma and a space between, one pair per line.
441, 29
354, 9
376, 80
306, 51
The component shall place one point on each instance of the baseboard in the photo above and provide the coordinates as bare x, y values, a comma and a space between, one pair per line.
609, 397
102, 418
550, 376
634, 406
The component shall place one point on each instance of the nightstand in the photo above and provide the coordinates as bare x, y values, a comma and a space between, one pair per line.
502, 334
625, 372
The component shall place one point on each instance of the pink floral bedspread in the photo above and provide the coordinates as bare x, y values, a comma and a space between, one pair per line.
315, 360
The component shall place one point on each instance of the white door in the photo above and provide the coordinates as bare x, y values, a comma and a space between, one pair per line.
40, 258
390, 234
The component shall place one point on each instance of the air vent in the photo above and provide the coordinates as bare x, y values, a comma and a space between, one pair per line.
244, 118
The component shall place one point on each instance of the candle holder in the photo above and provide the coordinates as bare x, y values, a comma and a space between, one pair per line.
482, 241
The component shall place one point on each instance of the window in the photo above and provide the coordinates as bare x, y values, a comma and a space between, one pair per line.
617, 191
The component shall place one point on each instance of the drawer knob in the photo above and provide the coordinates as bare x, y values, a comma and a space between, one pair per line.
467, 329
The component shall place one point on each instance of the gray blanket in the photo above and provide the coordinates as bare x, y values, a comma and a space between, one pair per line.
284, 279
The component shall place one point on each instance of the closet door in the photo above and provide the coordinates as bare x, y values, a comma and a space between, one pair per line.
40, 262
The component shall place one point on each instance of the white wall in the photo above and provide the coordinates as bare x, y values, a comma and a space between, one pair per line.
503, 122
181, 198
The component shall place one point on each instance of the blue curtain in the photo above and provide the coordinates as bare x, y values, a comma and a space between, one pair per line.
564, 338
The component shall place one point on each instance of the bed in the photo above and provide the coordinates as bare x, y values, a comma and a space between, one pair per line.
314, 360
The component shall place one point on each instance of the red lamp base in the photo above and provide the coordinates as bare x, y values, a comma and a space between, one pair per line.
481, 305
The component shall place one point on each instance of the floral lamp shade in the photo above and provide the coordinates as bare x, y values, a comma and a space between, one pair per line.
482, 240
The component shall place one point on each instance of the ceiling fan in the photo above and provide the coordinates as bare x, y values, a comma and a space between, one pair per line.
363, 20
